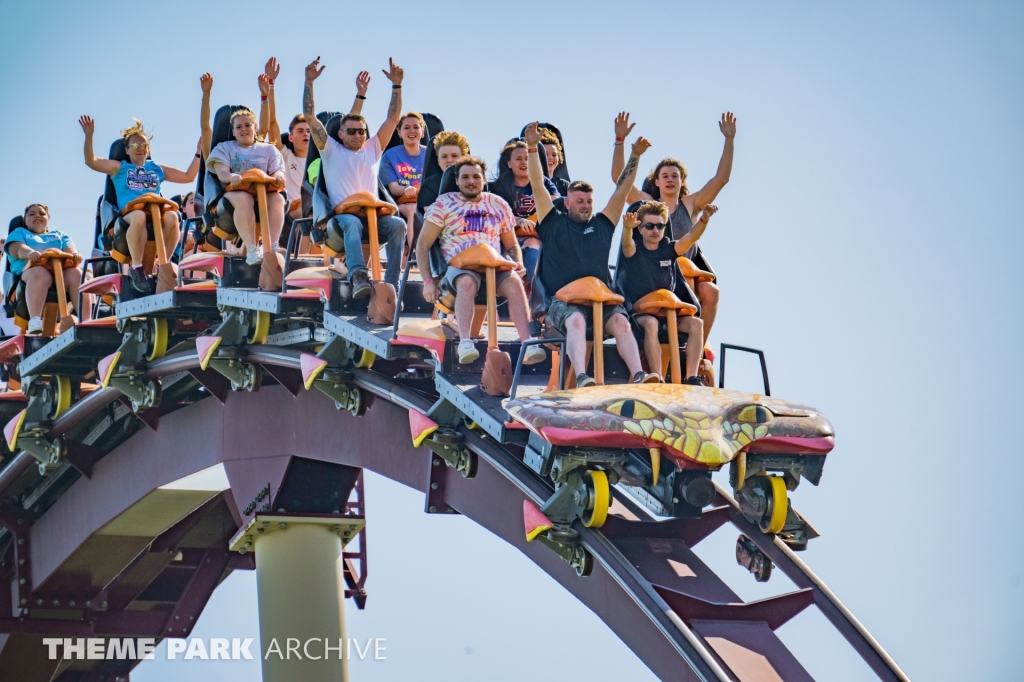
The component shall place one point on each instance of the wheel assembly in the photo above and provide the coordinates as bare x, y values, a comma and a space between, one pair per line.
753, 559
260, 327
598, 497
60, 386
764, 500
158, 336
364, 359
778, 505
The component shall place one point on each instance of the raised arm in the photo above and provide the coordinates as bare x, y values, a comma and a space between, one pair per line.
698, 230
206, 83
316, 128
362, 85
172, 174
622, 130
629, 223
395, 74
272, 70
102, 165
536, 171
264, 85
707, 193
615, 205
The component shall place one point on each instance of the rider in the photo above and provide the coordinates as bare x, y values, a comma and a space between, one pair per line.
513, 185
293, 150
24, 246
401, 167
463, 219
650, 266
351, 166
555, 157
576, 244
228, 160
669, 178
449, 147
132, 178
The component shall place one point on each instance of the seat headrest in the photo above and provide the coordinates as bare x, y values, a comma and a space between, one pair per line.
562, 170
434, 124
118, 151
650, 188
333, 125
16, 222
222, 124
325, 116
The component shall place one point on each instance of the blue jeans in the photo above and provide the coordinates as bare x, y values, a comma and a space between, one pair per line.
390, 232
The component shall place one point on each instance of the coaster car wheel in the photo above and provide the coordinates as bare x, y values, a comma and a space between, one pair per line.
60, 386
364, 358
152, 392
599, 495
158, 336
582, 561
774, 518
260, 327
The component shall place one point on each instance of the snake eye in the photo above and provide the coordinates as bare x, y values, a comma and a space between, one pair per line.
755, 414
631, 409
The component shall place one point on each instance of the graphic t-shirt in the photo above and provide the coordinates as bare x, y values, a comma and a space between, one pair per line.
525, 205
239, 159
572, 250
293, 168
347, 172
132, 181
37, 242
465, 223
398, 165
649, 270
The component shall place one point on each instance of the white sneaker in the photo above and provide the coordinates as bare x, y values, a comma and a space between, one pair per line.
254, 257
534, 354
467, 352
35, 326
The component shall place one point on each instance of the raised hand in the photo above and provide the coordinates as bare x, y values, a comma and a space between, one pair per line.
264, 83
622, 125
206, 83
313, 70
630, 222
728, 125
272, 69
395, 73
640, 146
362, 82
532, 135
709, 210
88, 125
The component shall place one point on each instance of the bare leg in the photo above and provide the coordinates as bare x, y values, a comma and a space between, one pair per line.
245, 217
408, 211
275, 207
38, 281
171, 232
707, 294
652, 348
512, 290
136, 236
618, 327
693, 327
576, 342
465, 293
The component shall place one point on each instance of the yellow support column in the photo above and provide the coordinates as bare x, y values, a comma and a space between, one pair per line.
301, 592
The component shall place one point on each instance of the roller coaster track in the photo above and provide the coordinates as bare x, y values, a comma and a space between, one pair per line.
647, 585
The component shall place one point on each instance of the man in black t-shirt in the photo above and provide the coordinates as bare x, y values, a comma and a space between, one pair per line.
651, 265
575, 244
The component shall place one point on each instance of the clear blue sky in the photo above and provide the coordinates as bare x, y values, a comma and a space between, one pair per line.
869, 241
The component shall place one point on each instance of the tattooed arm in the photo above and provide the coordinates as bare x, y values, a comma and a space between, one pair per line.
395, 74
613, 211
316, 128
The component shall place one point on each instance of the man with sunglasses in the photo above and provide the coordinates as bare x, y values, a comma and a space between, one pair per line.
351, 166
651, 265
575, 243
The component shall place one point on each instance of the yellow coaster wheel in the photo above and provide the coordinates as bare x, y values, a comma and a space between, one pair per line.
61, 387
364, 359
260, 328
158, 336
598, 498
778, 505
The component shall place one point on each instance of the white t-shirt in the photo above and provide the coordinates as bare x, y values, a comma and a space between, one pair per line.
293, 169
347, 172
239, 159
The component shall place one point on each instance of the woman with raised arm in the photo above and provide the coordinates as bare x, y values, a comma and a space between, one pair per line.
24, 247
668, 180
132, 178
228, 160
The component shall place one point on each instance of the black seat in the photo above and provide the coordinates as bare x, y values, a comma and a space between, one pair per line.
218, 216
561, 174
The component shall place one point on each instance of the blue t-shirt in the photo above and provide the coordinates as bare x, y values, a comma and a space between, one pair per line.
37, 242
397, 165
525, 205
132, 181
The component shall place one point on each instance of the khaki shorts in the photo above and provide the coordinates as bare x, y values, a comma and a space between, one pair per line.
559, 312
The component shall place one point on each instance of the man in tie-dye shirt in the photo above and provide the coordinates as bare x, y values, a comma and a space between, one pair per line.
460, 220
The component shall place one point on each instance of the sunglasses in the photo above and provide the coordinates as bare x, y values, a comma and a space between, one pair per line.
136, 146
355, 131
653, 226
